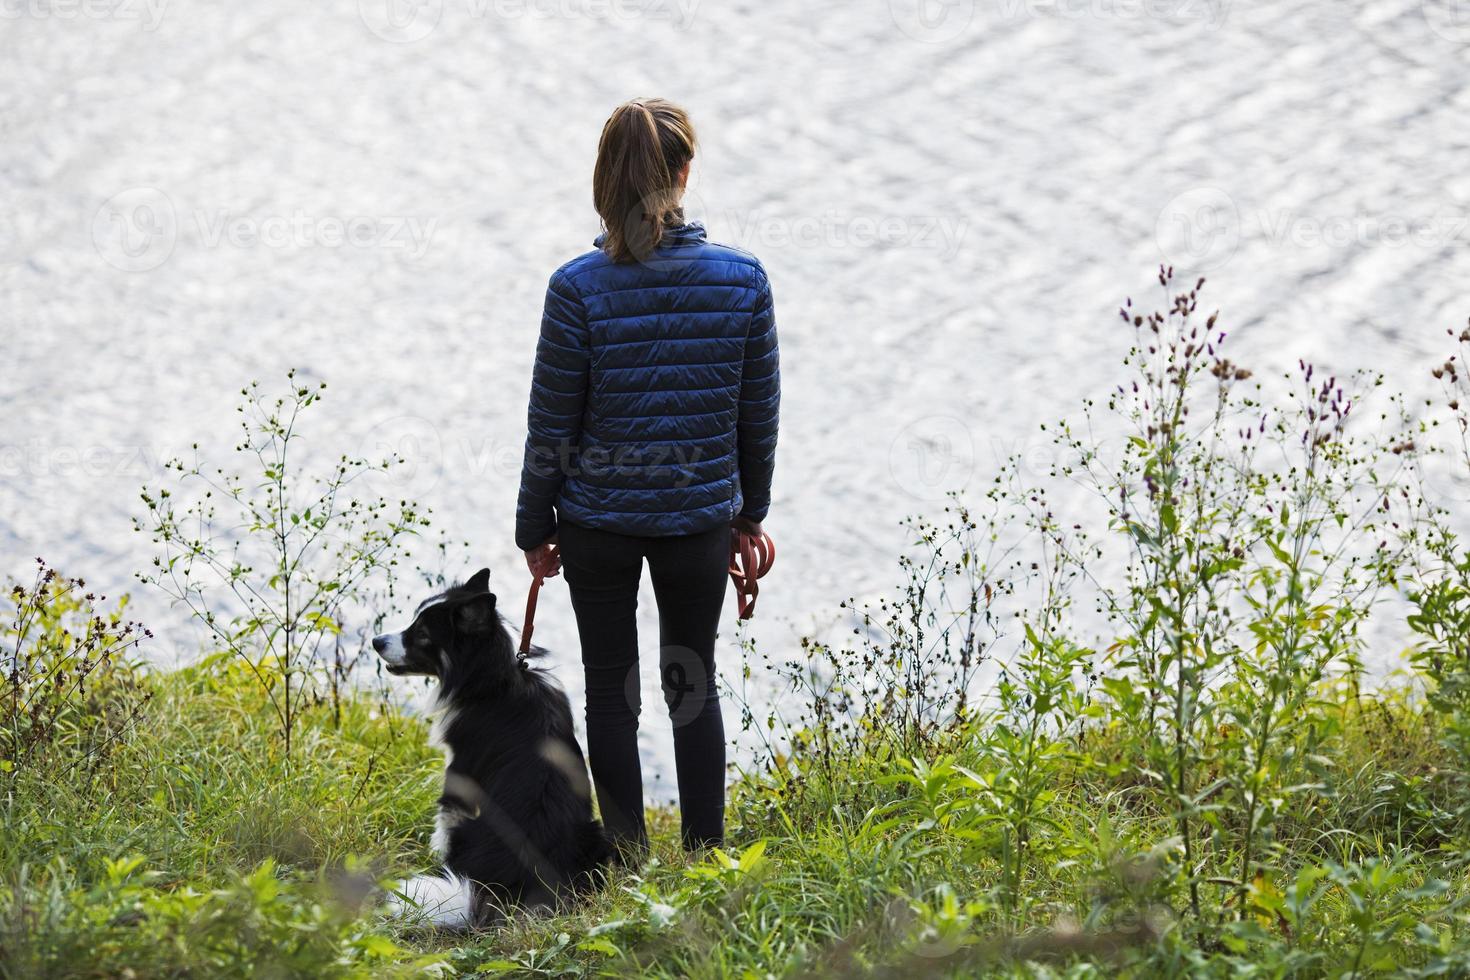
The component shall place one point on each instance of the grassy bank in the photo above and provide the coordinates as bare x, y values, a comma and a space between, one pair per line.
199, 851
1114, 720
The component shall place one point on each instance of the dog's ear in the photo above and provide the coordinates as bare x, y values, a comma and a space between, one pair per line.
477, 613
480, 581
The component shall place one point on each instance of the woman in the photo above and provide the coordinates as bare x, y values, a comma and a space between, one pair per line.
652, 431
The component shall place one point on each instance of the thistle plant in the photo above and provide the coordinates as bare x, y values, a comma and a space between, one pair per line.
1318, 559
1174, 497
1252, 553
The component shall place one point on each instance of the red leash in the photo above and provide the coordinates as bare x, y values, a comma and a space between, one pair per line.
530, 625
751, 557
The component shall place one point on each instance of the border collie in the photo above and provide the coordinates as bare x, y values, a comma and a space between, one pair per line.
515, 820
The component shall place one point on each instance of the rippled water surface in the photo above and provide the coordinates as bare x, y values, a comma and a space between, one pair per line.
951, 203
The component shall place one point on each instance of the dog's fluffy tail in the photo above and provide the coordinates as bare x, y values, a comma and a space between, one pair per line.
443, 901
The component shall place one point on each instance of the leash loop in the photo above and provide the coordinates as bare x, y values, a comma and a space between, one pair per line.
751, 557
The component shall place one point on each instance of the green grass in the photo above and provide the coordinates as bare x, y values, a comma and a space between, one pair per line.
199, 851
201, 797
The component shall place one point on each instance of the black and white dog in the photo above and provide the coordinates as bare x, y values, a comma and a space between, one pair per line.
515, 818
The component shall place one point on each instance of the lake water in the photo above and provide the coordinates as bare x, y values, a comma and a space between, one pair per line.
952, 199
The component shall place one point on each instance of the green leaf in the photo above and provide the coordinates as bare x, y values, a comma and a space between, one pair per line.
600, 945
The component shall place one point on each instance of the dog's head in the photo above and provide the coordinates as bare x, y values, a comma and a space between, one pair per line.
450, 631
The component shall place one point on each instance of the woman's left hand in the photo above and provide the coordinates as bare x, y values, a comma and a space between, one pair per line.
544, 560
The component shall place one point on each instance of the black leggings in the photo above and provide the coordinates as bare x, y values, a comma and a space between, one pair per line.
689, 573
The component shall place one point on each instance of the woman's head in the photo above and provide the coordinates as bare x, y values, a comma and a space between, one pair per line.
642, 165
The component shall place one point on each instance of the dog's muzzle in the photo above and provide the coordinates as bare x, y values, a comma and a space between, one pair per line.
389, 647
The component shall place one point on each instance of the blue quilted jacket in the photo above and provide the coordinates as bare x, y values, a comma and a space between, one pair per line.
655, 393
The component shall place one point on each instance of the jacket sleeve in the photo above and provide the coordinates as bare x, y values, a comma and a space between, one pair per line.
760, 402
554, 420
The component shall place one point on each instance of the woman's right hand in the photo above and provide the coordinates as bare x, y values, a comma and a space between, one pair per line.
544, 560
747, 526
